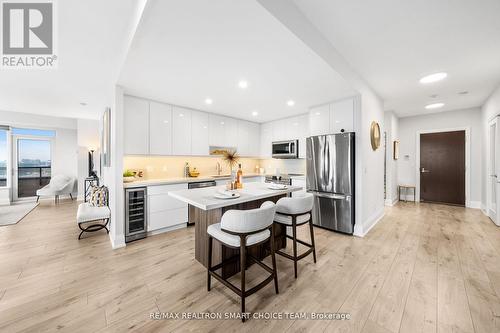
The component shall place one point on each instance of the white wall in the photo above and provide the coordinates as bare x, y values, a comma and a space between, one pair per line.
489, 110
369, 164
112, 176
408, 128
391, 122
88, 138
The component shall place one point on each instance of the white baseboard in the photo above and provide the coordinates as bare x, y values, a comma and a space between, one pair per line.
369, 223
484, 209
390, 203
474, 204
117, 243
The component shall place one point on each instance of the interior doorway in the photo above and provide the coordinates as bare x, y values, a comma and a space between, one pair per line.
492, 181
442, 167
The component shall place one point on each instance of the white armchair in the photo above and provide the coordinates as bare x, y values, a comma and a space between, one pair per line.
58, 185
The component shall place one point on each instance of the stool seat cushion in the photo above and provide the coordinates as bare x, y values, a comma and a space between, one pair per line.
285, 219
300, 204
87, 213
216, 232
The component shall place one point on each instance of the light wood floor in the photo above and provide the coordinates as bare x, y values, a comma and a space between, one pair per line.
423, 268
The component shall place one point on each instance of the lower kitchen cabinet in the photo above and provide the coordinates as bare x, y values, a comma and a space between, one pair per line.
299, 181
163, 210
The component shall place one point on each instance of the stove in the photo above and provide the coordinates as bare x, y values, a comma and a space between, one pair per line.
283, 179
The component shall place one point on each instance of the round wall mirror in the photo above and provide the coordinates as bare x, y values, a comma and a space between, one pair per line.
375, 135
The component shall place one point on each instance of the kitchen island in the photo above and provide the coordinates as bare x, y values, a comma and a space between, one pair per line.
205, 209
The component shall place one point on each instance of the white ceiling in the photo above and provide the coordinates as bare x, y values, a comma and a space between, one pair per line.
91, 36
186, 51
393, 43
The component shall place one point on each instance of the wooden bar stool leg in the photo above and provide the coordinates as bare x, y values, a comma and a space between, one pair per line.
311, 228
294, 231
209, 262
242, 268
273, 257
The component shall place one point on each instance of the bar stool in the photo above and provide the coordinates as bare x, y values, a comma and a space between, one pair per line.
242, 229
294, 212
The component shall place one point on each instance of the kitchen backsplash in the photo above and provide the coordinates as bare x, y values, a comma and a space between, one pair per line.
155, 167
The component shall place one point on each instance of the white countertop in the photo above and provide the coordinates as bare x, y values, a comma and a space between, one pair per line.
180, 180
203, 198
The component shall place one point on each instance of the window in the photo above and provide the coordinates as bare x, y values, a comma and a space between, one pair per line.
34, 132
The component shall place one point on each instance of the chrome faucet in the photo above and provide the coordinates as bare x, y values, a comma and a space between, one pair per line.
218, 168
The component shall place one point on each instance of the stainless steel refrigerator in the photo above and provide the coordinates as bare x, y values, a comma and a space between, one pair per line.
330, 178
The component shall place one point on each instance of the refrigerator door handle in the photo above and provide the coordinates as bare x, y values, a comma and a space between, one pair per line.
328, 195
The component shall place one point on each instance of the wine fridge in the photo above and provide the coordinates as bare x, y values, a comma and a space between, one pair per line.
135, 214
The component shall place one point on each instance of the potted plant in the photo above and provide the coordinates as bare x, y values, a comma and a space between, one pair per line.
128, 176
231, 158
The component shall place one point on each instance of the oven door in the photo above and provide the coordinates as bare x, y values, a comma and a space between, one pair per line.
285, 149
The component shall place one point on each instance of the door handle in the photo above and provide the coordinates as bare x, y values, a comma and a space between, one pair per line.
422, 170
328, 195
494, 176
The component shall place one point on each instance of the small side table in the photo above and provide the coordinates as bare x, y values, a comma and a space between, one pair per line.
406, 188
87, 185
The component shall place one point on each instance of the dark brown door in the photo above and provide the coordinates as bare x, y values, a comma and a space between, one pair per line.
442, 167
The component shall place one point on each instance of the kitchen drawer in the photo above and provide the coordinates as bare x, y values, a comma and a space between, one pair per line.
164, 189
161, 202
301, 183
167, 218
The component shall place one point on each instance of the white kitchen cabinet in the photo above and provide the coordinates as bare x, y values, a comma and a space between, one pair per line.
199, 133
181, 130
216, 130
136, 126
303, 134
163, 210
342, 116
243, 137
160, 129
254, 140
319, 120
230, 132
266, 139
279, 130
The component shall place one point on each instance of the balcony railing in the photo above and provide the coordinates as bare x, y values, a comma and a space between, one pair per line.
29, 179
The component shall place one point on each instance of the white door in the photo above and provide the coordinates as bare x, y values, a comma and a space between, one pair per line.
493, 185
31, 165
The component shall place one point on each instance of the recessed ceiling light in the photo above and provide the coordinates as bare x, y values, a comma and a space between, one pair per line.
243, 84
165, 121
255, 113
222, 123
290, 103
208, 101
434, 106
318, 113
83, 104
433, 77
181, 114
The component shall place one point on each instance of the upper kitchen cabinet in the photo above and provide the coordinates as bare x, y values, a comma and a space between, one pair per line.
248, 135
199, 133
216, 131
266, 140
181, 130
279, 130
230, 132
136, 126
332, 118
254, 140
342, 116
319, 120
243, 137
303, 133
160, 129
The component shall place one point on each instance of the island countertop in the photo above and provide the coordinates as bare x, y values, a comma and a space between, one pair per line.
204, 199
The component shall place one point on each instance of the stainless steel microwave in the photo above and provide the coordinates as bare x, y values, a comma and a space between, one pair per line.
286, 149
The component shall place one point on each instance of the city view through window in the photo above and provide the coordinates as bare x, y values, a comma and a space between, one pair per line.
3, 157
